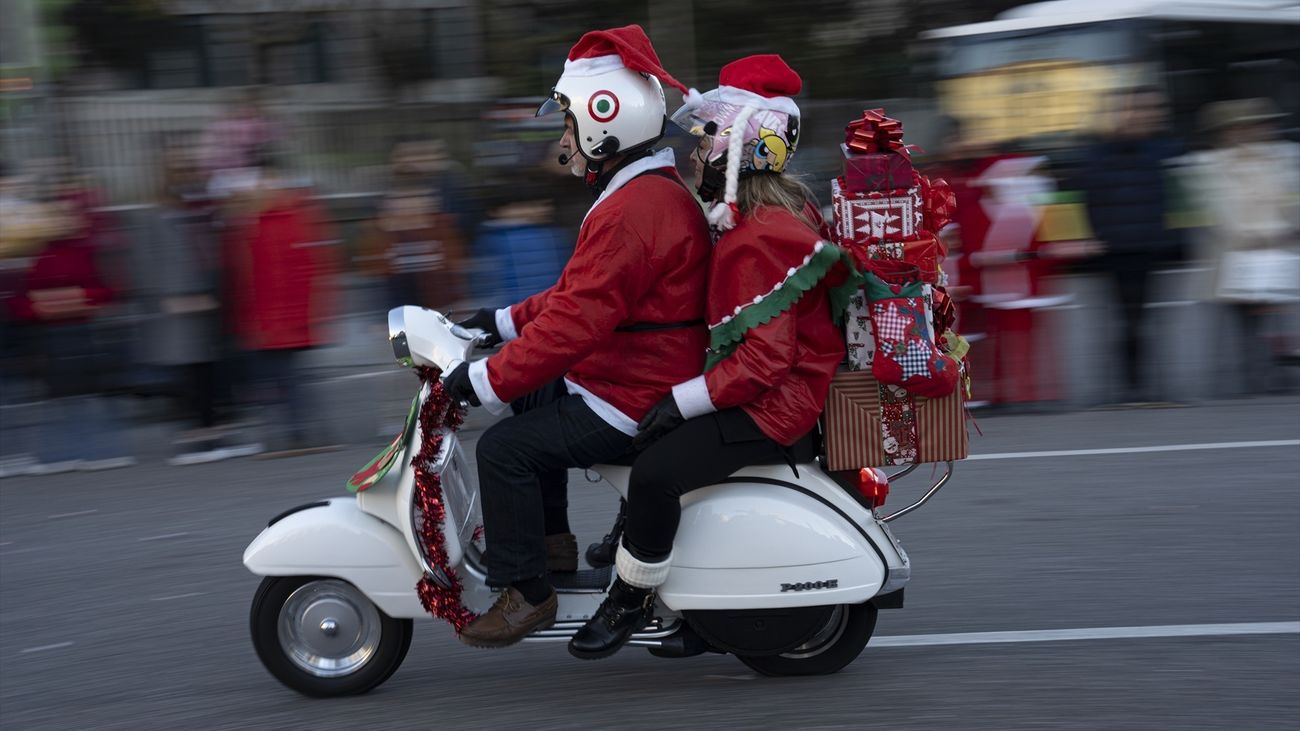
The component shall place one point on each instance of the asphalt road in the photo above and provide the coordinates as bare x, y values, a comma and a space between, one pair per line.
123, 602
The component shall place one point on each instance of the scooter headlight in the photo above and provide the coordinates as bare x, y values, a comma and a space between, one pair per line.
397, 337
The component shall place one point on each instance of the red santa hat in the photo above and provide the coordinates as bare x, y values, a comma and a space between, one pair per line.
764, 82
602, 51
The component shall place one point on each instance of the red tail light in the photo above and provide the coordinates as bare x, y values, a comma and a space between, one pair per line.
873, 485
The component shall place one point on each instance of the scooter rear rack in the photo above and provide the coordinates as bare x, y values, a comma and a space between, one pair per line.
943, 480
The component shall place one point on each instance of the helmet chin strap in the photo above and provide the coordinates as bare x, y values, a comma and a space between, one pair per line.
607, 148
711, 181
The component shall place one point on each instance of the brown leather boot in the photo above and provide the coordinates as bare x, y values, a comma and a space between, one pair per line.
509, 620
561, 553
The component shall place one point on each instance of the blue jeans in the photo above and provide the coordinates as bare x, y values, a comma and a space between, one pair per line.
80, 423
81, 427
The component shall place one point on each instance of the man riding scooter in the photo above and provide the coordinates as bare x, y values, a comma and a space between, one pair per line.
586, 359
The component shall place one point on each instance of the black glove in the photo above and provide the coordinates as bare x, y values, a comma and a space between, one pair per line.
458, 386
662, 418
485, 320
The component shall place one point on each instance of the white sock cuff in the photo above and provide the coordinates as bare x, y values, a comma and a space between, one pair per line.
638, 573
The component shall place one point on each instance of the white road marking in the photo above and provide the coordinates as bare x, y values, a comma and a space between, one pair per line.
177, 596
56, 516
1139, 450
1091, 633
6, 543
42, 648
162, 537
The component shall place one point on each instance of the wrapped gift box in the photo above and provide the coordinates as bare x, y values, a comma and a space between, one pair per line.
870, 425
922, 250
877, 171
866, 218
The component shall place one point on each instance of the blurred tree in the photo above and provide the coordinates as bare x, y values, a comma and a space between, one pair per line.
118, 34
401, 40
842, 48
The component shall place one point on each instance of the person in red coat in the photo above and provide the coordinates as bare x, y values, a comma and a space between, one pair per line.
774, 345
279, 268
586, 359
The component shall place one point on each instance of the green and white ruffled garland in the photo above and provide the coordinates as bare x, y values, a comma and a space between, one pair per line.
727, 334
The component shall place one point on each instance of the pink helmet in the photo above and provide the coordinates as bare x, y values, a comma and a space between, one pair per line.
752, 123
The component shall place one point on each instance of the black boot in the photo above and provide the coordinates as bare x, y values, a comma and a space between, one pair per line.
624, 611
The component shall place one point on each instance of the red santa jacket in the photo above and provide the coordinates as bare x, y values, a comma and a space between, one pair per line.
279, 269
775, 343
641, 260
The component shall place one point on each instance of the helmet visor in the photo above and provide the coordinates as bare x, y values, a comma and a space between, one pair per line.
556, 103
688, 118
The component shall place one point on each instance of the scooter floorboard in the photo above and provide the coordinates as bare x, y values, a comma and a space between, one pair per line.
584, 581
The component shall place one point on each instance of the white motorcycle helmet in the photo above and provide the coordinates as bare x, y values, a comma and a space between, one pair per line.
611, 90
616, 111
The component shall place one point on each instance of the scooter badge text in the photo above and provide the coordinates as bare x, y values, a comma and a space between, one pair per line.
809, 585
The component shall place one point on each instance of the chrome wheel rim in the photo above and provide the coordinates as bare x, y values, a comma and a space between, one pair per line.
329, 629
825, 638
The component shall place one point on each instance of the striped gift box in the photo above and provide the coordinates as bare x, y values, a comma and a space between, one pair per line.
856, 433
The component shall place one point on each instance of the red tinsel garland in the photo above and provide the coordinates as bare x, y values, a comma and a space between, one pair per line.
436, 412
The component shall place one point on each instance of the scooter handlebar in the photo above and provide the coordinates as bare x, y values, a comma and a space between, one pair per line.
423, 337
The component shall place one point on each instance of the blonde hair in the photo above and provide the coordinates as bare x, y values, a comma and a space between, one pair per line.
758, 190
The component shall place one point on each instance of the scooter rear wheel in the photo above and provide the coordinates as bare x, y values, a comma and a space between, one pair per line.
322, 637
839, 643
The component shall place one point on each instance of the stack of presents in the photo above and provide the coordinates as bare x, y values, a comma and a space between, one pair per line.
900, 396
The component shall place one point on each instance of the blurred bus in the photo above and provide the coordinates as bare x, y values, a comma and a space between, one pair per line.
1043, 72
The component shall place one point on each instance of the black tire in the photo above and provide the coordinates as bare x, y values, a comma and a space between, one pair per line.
264, 624
847, 636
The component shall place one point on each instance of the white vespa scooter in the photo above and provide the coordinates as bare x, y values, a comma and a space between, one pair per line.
779, 565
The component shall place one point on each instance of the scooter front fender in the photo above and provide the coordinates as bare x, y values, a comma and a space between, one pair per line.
337, 539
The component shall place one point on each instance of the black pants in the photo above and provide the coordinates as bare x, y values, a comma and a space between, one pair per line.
701, 452
200, 402
1132, 277
522, 472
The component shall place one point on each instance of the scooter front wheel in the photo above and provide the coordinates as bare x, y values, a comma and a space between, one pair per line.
322, 636
837, 644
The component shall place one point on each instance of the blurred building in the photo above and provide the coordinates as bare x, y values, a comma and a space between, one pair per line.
1043, 72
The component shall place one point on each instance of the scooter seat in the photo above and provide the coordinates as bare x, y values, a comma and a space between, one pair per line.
801, 452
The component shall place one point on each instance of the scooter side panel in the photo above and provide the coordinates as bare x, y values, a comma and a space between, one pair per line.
340, 540
752, 543
851, 581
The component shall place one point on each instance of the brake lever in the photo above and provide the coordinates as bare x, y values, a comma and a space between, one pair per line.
478, 338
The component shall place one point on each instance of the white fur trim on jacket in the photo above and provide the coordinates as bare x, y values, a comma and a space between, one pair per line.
638, 573
506, 325
594, 66
478, 377
660, 159
607, 412
692, 398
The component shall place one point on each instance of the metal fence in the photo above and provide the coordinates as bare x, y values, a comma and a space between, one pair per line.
116, 139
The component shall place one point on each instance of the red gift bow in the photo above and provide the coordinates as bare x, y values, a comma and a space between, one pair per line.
940, 203
875, 132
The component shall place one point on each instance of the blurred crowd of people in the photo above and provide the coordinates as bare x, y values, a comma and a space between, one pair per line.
231, 274
213, 292
1121, 207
